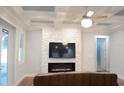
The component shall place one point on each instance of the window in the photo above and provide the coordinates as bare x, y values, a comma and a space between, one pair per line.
21, 47
102, 53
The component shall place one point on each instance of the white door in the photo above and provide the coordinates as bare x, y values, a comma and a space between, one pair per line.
4, 57
7, 57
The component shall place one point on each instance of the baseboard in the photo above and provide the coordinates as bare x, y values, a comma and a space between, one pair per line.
31, 75
121, 77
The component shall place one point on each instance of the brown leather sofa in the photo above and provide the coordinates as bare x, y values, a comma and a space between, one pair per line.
76, 79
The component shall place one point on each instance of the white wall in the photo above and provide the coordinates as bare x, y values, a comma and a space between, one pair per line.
38, 47
20, 67
89, 56
34, 52
89, 48
68, 34
117, 53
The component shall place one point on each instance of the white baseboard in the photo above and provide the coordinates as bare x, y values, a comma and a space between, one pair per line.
31, 75
121, 77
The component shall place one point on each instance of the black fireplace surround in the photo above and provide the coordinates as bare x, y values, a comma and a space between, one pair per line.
61, 67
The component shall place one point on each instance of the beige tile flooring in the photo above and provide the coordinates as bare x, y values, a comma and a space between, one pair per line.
28, 81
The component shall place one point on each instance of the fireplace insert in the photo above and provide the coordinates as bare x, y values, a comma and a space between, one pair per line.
61, 67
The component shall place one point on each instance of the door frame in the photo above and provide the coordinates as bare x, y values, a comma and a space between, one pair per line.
0, 50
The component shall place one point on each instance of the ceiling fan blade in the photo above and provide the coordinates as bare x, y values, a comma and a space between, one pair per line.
100, 17
90, 13
104, 24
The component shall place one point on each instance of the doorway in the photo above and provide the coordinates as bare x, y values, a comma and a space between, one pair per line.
102, 53
4, 58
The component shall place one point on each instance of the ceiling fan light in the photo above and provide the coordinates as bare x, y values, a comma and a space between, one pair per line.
86, 22
90, 13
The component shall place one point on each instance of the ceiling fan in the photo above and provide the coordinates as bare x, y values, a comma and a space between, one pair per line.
88, 18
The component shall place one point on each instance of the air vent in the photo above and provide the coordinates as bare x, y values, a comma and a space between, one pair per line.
104, 24
40, 21
39, 8
120, 13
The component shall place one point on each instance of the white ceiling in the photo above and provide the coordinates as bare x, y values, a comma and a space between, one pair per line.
59, 15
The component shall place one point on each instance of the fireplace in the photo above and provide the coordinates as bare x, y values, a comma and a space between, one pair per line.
61, 67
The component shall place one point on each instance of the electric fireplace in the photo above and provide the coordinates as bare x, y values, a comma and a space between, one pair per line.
61, 67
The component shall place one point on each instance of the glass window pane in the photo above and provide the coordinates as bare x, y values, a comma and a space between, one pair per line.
21, 47
101, 54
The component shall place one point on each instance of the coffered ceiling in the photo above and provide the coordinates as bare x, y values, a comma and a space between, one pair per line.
39, 8
58, 15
